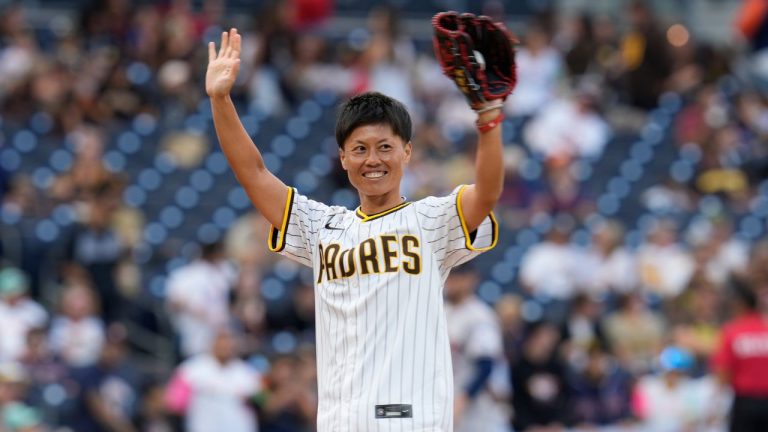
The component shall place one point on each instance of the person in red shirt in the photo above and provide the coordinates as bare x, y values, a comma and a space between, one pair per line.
741, 361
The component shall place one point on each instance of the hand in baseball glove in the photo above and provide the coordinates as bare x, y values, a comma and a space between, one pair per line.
477, 54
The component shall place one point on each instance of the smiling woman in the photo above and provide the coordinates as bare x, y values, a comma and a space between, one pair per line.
383, 353
374, 158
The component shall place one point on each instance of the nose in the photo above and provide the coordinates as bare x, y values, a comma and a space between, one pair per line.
373, 158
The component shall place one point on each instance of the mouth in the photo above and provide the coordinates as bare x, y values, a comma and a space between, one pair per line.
375, 174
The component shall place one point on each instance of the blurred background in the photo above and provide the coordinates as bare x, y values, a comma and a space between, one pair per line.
136, 291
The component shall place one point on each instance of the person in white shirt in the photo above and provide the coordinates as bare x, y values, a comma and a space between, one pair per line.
198, 297
569, 127
665, 266
607, 266
551, 268
719, 253
672, 401
77, 334
220, 384
539, 66
18, 313
479, 369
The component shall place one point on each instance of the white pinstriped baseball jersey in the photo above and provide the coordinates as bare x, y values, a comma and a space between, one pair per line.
384, 361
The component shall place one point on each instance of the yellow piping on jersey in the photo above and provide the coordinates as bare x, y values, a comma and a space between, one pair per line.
277, 245
366, 218
495, 226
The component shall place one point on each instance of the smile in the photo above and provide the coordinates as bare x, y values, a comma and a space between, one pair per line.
374, 174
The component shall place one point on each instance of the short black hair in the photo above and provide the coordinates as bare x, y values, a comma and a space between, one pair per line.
372, 108
743, 293
209, 250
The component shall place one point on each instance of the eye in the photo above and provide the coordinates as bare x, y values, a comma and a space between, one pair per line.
358, 149
385, 147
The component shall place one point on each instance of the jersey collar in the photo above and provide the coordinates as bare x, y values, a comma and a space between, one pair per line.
366, 218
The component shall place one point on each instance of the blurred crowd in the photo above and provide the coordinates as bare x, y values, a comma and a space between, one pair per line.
593, 330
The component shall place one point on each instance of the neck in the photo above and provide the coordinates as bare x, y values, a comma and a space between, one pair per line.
379, 203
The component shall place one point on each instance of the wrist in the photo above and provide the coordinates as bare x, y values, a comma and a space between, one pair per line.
489, 120
220, 98
490, 114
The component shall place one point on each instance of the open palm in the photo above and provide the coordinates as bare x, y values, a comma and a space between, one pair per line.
223, 67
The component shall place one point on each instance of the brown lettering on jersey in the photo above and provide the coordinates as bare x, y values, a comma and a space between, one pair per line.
321, 272
331, 252
347, 266
410, 245
388, 255
369, 261
389, 252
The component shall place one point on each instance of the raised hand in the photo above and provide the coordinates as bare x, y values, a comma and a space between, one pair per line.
223, 67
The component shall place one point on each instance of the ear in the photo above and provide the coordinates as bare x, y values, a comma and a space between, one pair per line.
343, 159
408, 147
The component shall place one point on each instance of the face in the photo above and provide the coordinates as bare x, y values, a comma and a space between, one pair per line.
374, 159
224, 346
459, 286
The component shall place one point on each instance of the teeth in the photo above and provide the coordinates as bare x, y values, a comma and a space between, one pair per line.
376, 174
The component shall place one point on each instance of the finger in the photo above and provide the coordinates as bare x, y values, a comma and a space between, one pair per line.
236, 43
224, 43
236, 67
231, 47
211, 52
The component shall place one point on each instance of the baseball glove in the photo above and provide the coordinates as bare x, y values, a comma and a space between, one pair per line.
477, 54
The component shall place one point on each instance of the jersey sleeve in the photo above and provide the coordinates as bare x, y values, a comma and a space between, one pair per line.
296, 238
444, 227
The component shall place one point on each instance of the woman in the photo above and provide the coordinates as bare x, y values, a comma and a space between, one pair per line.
383, 353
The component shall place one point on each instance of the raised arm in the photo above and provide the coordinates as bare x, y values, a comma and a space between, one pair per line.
266, 191
480, 198
478, 54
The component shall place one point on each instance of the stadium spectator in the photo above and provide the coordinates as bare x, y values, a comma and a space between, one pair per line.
93, 250
551, 268
664, 264
570, 128
13, 388
288, 402
752, 23
88, 175
671, 400
508, 310
697, 317
582, 330
198, 297
607, 266
46, 373
600, 391
719, 254
635, 333
539, 67
476, 350
581, 54
20, 210
77, 333
562, 192
539, 382
219, 386
389, 57
18, 313
646, 57
18, 417
107, 396
152, 414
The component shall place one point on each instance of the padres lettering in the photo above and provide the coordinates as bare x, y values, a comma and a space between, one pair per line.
386, 253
